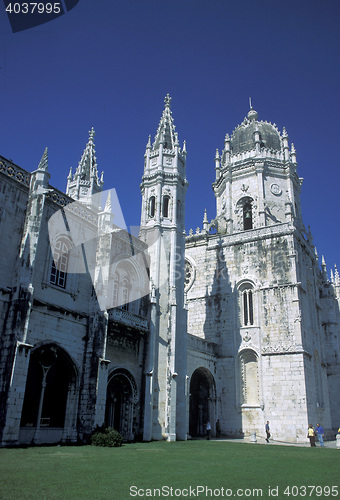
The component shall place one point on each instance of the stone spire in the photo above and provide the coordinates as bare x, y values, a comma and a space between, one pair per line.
43, 165
85, 182
166, 129
39, 181
87, 166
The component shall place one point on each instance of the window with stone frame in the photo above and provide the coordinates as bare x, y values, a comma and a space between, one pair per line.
249, 378
166, 206
245, 213
247, 216
246, 304
60, 262
152, 206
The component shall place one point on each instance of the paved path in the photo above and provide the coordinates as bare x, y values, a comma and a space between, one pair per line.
261, 440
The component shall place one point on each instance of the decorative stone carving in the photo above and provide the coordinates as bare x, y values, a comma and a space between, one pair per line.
275, 189
189, 275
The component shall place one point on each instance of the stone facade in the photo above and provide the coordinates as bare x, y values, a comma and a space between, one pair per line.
155, 335
256, 293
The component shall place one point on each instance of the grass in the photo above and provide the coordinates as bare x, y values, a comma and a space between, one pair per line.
89, 472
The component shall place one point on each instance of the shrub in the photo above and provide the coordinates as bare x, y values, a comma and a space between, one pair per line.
106, 437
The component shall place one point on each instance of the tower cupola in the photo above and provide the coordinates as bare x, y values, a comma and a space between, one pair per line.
255, 177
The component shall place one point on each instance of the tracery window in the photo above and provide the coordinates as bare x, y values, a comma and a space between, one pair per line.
246, 299
60, 263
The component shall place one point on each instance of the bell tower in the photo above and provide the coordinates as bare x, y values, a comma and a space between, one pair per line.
163, 190
256, 178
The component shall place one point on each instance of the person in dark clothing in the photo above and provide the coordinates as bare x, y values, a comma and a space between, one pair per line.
267, 428
218, 428
320, 434
208, 429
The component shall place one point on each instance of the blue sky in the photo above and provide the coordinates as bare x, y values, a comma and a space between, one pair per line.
109, 64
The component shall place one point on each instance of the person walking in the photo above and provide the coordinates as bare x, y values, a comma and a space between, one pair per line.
267, 428
311, 435
320, 434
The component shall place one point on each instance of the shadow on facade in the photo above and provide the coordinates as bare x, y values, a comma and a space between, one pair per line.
210, 400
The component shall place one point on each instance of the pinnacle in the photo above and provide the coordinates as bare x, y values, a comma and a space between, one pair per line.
87, 166
166, 134
43, 164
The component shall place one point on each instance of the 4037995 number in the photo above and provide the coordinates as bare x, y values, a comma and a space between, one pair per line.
311, 491
34, 8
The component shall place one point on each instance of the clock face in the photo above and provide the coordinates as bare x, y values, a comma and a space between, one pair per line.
275, 189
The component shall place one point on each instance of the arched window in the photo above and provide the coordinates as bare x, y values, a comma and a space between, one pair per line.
166, 205
60, 263
249, 386
246, 299
50, 395
120, 408
247, 216
152, 205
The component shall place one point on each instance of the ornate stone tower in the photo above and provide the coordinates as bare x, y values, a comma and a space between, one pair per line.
256, 276
256, 182
85, 182
163, 189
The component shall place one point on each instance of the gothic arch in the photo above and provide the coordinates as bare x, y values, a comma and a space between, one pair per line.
128, 283
121, 400
49, 408
202, 401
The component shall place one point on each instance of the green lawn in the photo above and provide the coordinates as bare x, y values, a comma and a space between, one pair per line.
108, 473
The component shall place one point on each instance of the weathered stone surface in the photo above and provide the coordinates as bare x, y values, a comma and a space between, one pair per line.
158, 334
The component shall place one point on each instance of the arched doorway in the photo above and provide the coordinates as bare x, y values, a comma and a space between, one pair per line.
120, 399
202, 401
49, 407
